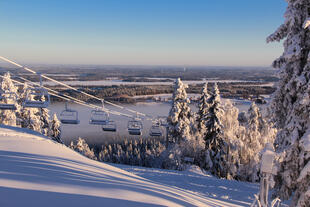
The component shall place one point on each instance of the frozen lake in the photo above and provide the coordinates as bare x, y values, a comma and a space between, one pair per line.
94, 133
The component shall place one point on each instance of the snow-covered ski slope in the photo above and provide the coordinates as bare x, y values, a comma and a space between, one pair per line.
36, 171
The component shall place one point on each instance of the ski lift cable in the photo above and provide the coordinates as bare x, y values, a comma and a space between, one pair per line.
79, 101
117, 113
69, 98
63, 84
54, 91
53, 94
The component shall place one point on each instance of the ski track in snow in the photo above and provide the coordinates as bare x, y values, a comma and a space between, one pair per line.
196, 181
36, 171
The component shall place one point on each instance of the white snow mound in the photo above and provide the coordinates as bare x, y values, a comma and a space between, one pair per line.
36, 171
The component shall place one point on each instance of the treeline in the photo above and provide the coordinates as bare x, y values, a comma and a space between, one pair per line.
141, 152
36, 119
217, 138
124, 93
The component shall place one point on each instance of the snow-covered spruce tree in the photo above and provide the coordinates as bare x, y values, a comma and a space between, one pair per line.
216, 147
232, 132
181, 124
22, 114
45, 119
82, 147
104, 155
203, 108
252, 145
8, 117
30, 117
258, 123
254, 138
180, 116
55, 130
291, 103
33, 119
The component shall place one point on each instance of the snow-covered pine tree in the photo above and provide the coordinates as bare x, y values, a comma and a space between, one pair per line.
33, 119
83, 148
45, 119
231, 135
252, 144
30, 117
104, 154
203, 108
23, 112
291, 104
55, 130
258, 122
181, 123
253, 137
180, 116
216, 147
8, 117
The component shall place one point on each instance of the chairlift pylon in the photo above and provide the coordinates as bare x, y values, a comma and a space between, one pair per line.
69, 116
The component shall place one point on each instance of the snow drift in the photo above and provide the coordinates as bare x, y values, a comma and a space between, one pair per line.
36, 171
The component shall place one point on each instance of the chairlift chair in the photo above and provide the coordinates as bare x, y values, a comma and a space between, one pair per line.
69, 116
110, 126
155, 131
9, 96
135, 127
99, 117
163, 121
34, 97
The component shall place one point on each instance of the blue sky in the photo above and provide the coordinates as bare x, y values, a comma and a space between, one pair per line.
141, 32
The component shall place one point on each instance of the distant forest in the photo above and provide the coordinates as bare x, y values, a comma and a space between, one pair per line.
125, 93
93, 72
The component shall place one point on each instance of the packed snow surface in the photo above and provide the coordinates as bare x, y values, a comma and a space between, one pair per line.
36, 171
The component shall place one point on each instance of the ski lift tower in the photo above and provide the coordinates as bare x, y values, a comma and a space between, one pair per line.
266, 169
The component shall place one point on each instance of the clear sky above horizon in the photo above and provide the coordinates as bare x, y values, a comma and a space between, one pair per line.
139, 32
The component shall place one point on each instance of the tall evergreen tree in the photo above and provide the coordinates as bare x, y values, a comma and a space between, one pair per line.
23, 112
30, 117
45, 119
55, 130
33, 118
216, 147
8, 117
291, 104
180, 116
203, 108
232, 132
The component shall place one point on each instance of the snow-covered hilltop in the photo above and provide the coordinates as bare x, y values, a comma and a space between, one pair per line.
36, 171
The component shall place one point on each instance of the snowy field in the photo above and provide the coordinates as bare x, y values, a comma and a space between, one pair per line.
35, 171
202, 183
